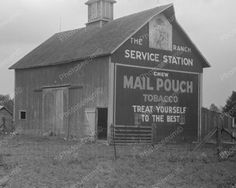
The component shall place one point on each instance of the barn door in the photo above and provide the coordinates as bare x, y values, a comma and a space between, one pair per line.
55, 104
102, 114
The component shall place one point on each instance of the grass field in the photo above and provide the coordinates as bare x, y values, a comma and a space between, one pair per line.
29, 162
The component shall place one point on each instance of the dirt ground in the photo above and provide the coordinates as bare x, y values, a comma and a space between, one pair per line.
47, 162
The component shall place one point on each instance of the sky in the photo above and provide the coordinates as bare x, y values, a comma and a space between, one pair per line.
211, 24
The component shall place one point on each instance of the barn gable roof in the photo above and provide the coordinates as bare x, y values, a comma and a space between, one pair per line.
80, 44
4, 108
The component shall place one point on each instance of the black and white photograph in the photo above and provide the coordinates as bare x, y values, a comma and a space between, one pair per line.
117, 94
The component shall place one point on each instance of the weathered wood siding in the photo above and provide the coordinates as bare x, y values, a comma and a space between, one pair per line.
142, 57
83, 80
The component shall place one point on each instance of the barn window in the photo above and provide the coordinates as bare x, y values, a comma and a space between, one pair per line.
94, 11
107, 10
22, 115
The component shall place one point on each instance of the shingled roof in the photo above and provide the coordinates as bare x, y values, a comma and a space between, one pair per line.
79, 44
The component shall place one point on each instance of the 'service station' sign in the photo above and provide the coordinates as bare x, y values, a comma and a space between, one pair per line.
156, 57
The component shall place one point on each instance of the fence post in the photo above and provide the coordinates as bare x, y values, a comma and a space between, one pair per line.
114, 142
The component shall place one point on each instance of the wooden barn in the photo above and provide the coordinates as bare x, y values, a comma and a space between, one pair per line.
133, 79
6, 120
